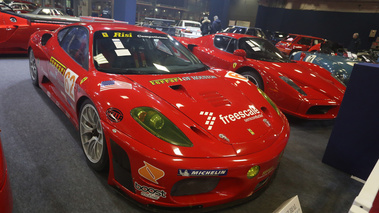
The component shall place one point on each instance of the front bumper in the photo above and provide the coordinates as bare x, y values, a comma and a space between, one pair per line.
154, 178
314, 109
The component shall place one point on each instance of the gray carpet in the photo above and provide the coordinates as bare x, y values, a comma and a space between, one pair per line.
48, 171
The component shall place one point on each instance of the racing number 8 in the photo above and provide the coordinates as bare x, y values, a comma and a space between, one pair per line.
69, 83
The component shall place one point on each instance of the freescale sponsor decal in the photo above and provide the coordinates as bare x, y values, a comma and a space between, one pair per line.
247, 115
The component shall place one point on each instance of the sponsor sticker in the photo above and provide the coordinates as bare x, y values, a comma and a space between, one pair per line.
247, 115
152, 36
151, 172
177, 79
191, 173
150, 192
267, 172
60, 67
122, 35
235, 75
115, 115
210, 119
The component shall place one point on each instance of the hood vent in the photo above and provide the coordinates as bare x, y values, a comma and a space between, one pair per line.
180, 88
215, 98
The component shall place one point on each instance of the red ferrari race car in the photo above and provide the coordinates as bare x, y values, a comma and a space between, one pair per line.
298, 88
295, 42
173, 132
15, 29
6, 201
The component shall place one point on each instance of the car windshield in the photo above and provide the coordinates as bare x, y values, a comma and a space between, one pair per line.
290, 38
4, 7
240, 30
330, 47
261, 49
125, 52
191, 24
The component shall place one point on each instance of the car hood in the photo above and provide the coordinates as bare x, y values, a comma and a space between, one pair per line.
317, 86
220, 108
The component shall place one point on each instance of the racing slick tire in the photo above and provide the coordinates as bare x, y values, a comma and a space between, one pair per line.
92, 137
33, 68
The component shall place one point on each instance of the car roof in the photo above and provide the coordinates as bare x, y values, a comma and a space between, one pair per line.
291, 34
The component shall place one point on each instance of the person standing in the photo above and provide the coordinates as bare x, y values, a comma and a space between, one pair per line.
355, 43
216, 25
205, 26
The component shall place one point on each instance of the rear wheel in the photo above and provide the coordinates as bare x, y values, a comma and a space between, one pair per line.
254, 77
92, 137
33, 68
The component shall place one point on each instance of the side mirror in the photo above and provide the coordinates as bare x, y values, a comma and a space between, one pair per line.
240, 52
191, 46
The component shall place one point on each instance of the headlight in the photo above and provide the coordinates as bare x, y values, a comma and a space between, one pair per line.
293, 85
160, 126
269, 100
253, 171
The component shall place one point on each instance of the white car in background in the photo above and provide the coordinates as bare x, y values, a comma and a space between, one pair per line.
187, 28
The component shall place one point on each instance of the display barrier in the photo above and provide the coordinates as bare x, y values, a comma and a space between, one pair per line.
368, 199
353, 146
290, 206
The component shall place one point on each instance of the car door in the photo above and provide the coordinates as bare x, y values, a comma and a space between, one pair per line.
303, 44
10, 24
223, 52
69, 62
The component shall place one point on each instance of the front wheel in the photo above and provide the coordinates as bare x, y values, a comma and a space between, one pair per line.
33, 68
254, 78
92, 137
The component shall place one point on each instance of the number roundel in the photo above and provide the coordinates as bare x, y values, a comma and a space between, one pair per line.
69, 83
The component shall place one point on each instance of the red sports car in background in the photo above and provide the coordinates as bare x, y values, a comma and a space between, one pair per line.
15, 29
6, 201
301, 89
295, 42
23, 6
173, 132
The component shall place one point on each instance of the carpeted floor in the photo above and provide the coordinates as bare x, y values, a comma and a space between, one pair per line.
48, 171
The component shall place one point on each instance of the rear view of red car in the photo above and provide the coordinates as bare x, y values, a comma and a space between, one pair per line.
295, 42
